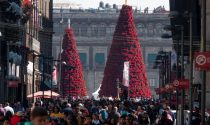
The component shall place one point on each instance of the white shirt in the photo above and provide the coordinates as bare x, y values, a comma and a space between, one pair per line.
8, 108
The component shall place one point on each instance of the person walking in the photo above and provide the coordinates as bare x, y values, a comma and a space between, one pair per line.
165, 120
8, 108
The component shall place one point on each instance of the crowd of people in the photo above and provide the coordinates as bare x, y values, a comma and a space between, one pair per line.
90, 112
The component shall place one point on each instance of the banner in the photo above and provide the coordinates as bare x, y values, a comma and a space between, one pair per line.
202, 60
54, 75
169, 87
126, 74
181, 84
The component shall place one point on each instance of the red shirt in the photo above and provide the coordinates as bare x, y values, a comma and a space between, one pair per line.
15, 120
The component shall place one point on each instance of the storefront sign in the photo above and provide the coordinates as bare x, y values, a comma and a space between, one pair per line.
12, 84
202, 60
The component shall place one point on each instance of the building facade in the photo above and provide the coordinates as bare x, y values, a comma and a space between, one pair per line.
93, 30
23, 34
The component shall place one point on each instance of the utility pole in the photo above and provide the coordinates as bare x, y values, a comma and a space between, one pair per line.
43, 75
51, 71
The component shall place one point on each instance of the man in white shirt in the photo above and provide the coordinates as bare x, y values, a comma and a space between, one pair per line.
8, 108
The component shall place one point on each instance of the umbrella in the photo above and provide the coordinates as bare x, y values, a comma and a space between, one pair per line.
47, 94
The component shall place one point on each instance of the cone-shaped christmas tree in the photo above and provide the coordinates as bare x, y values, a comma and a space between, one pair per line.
125, 47
73, 83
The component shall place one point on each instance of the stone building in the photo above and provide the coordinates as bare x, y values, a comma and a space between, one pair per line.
93, 30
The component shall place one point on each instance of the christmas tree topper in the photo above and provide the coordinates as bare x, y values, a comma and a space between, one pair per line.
69, 23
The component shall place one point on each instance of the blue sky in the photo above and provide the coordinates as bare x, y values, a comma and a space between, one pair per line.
139, 3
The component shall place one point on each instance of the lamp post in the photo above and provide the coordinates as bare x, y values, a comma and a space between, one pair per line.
203, 49
60, 65
43, 75
191, 63
182, 73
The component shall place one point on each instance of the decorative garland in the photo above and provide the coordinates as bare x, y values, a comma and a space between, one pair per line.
125, 47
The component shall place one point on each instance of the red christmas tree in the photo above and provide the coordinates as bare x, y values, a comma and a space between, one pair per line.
73, 82
125, 47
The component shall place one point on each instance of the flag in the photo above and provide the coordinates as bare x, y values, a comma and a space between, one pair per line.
126, 74
173, 59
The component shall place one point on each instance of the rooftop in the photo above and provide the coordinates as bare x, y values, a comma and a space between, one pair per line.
72, 8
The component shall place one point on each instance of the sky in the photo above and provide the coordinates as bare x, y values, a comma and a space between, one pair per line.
139, 3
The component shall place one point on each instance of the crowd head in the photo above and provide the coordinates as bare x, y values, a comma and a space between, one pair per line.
88, 112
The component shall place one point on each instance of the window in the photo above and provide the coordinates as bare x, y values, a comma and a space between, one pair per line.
75, 29
111, 29
151, 60
102, 30
141, 29
83, 58
83, 31
99, 59
94, 30
159, 28
150, 30
152, 82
